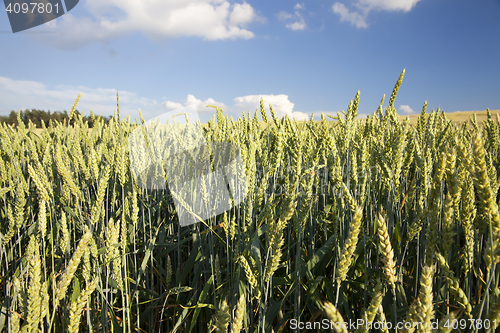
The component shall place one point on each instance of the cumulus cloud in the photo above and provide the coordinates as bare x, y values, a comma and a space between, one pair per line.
389, 5
298, 6
406, 109
299, 23
242, 14
361, 8
201, 106
355, 18
109, 19
281, 105
23, 94
171, 105
282, 16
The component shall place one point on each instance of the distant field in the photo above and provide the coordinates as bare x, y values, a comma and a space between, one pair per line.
457, 117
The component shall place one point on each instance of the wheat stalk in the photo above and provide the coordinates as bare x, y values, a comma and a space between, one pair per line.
223, 317
387, 253
78, 305
425, 297
71, 268
454, 285
350, 245
237, 324
334, 315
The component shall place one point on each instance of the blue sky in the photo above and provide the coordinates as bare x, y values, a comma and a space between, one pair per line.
302, 57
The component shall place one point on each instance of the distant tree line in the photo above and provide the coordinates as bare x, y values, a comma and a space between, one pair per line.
36, 117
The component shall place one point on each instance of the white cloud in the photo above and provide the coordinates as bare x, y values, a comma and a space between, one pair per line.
299, 6
300, 24
201, 106
109, 19
24, 94
281, 105
354, 18
171, 105
357, 17
242, 14
389, 5
406, 109
282, 16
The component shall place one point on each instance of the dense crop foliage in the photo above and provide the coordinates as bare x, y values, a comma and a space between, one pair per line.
349, 219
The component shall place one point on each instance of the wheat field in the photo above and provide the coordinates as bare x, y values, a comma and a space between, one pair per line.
459, 117
375, 220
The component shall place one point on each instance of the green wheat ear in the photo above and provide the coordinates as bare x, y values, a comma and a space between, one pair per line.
396, 89
223, 318
334, 315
